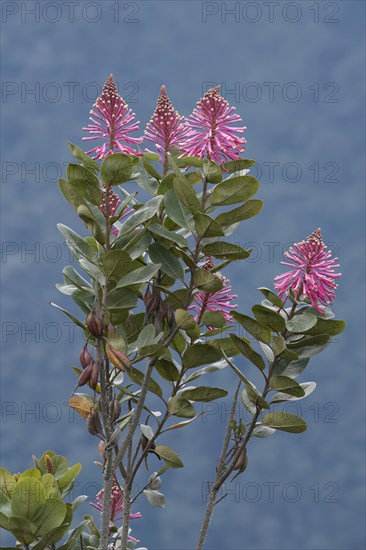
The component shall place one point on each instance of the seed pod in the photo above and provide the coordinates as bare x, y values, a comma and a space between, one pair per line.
116, 411
118, 359
93, 423
147, 296
153, 304
101, 450
85, 357
170, 317
94, 375
94, 324
162, 311
84, 376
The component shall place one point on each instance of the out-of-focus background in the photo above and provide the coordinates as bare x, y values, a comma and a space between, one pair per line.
295, 72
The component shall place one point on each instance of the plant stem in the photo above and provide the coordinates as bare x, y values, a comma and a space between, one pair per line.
219, 471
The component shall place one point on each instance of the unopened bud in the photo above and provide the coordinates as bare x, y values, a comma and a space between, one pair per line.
118, 359
85, 357
94, 324
93, 423
48, 464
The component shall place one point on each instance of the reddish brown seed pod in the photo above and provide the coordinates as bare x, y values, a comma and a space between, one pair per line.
118, 359
85, 357
93, 423
94, 375
94, 324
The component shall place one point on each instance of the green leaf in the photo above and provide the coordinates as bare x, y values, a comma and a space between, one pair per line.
213, 319
286, 385
117, 168
200, 354
184, 320
22, 529
332, 327
212, 171
291, 369
186, 195
83, 158
169, 263
301, 323
172, 236
207, 281
284, 421
307, 387
204, 394
69, 476
176, 211
28, 498
31, 472
170, 456
227, 251
121, 298
254, 327
246, 350
191, 161
244, 212
74, 241
146, 336
309, 346
145, 176
236, 370
167, 369
239, 164
86, 182
142, 215
255, 397
155, 497
207, 227
138, 378
248, 403
234, 190
116, 263
52, 516
7, 483
140, 275
49, 482
271, 296
181, 407
269, 318
74, 319
71, 193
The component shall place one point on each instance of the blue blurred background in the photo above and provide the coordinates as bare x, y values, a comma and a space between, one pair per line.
295, 72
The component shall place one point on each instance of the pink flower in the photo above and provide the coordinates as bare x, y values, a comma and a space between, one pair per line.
166, 128
213, 134
219, 301
312, 272
117, 506
112, 122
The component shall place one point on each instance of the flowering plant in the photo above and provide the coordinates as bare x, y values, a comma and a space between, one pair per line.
158, 314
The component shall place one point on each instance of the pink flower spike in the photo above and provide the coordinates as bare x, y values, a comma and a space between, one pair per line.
112, 202
312, 272
219, 301
213, 134
117, 506
167, 128
112, 122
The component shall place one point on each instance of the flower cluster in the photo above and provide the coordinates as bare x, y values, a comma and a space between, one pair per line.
167, 129
219, 301
209, 132
117, 506
112, 122
312, 272
213, 134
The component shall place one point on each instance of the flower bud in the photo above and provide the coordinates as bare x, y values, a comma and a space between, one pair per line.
94, 324
118, 359
48, 464
85, 357
93, 423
